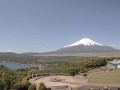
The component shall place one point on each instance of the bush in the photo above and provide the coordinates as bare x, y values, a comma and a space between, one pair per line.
72, 72
19, 87
27, 84
42, 86
32, 87
25, 79
83, 74
2, 86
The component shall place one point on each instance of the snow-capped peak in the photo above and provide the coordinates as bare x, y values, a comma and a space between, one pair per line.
84, 41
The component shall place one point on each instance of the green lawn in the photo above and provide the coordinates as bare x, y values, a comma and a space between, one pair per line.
105, 77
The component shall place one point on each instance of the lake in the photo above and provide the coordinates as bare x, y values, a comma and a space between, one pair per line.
14, 65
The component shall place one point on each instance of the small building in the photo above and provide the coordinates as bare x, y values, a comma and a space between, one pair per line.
115, 64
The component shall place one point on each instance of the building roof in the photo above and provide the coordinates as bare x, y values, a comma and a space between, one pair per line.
115, 62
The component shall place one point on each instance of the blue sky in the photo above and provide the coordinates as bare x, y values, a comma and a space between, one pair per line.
45, 25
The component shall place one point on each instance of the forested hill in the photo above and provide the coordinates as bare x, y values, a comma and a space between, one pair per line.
16, 57
21, 58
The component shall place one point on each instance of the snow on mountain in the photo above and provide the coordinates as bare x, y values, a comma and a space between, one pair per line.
85, 42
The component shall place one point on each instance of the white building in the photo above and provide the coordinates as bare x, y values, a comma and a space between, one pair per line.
113, 64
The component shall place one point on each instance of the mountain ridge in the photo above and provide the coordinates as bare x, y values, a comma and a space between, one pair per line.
85, 45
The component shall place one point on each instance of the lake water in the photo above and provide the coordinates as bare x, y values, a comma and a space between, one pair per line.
14, 65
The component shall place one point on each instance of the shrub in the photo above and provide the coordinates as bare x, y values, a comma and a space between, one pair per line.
72, 72
42, 86
83, 74
32, 87
27, 84
19, 87
2, 86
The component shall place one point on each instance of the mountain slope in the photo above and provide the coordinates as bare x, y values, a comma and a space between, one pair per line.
86, 49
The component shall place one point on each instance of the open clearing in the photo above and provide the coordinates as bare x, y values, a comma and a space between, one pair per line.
106, 77
70, 81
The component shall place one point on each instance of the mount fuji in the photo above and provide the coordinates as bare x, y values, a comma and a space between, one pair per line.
85, 45
85, 42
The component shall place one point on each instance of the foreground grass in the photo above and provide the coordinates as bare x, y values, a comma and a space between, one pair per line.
105, 77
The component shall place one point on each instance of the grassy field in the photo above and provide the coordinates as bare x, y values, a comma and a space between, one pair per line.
105, 77
108, 54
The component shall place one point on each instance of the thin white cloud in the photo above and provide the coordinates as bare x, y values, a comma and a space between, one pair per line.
9, 51
116, 46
